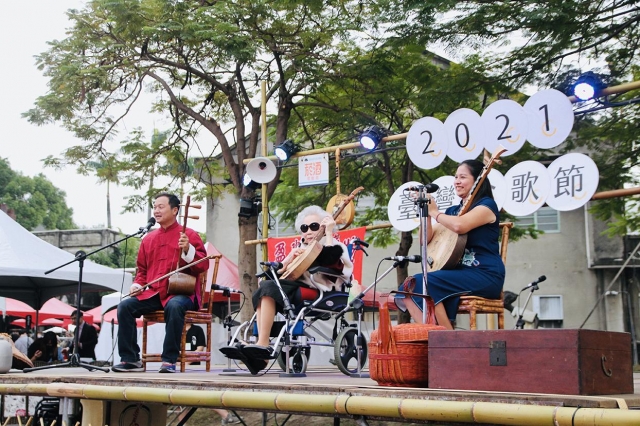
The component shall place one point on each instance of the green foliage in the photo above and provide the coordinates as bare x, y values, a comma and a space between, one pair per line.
121, 255
526, 41
35, 200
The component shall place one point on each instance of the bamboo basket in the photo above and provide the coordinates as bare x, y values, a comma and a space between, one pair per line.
398, 355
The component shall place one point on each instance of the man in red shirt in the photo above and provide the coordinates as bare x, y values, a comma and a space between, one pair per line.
160, 252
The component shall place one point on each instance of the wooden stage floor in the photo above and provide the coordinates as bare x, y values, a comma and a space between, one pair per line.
318, 381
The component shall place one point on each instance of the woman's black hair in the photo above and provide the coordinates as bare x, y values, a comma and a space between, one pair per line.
476, 168
50, 336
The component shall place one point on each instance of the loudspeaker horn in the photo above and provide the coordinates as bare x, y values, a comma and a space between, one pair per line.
261, 170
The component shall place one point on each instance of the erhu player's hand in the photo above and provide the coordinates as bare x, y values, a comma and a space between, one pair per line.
183, 243
135, 289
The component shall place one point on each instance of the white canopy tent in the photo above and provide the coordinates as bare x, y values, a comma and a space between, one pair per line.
24, 258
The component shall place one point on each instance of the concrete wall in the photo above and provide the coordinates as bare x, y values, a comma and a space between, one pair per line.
78, 239
222, 224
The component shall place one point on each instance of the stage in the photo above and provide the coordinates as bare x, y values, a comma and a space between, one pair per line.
324, 392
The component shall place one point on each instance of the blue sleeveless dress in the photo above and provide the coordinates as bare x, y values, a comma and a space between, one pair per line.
480, 272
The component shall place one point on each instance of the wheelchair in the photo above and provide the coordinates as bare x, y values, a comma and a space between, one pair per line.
295, 332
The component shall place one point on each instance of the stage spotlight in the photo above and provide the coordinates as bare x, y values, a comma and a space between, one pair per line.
587, 86
371, 137
286, 149
249, 183
249, 208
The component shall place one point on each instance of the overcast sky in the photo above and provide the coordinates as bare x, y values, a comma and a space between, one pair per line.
25, 28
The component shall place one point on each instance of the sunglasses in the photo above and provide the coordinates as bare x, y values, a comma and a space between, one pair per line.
313, 226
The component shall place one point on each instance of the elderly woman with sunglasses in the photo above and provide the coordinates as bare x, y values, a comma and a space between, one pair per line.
267, 299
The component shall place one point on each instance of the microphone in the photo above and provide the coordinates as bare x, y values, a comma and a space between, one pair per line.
414, 259
276, 265
223, 288
540, 279
430, 187
147, 227
358, 241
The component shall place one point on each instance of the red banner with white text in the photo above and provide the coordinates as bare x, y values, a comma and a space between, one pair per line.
278, 248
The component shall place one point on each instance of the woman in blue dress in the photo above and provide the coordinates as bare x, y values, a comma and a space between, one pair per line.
481, 270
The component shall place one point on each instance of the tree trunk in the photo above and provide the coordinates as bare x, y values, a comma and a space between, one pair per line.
151, 178
247, 261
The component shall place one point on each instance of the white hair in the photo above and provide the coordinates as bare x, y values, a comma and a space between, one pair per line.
308, 211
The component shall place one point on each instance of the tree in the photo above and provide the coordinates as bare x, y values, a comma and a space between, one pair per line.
527, 42
35, 200
204, 61
107, 172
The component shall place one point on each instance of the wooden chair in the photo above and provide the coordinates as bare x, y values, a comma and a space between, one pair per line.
201, 316
474, 305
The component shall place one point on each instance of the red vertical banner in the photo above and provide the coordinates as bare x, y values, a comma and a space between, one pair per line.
278, 248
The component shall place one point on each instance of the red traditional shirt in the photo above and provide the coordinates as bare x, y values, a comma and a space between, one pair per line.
159, 254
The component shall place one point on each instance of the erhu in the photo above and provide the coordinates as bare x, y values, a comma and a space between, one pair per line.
179, 282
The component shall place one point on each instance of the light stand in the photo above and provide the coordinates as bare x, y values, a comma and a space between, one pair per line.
74, 357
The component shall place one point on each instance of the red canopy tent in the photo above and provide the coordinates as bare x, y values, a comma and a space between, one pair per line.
96, 314
16, 308
56, 308
48, 321
227, 275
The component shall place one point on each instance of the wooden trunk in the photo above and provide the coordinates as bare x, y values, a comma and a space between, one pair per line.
573, 362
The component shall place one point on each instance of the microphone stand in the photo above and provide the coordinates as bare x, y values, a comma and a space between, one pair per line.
423, 212
228, 323
520, 322
74, 357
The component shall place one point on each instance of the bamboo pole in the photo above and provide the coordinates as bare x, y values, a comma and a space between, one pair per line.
616, 193
265, 196
392, 408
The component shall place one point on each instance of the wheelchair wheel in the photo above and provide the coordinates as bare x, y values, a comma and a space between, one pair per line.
298, 359
345, 351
